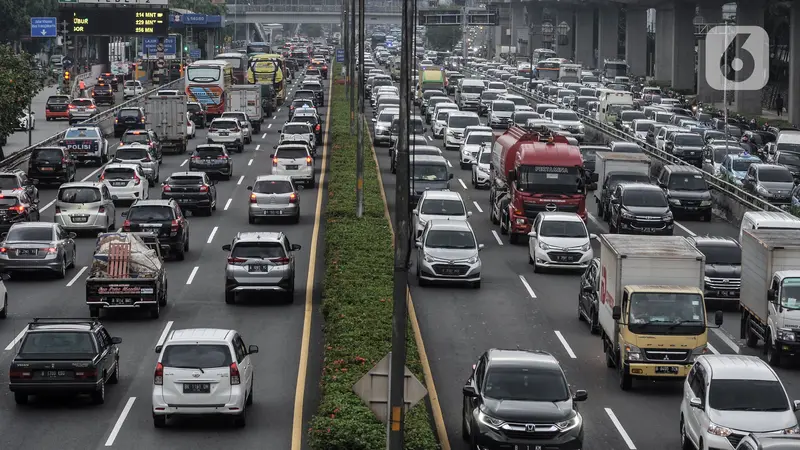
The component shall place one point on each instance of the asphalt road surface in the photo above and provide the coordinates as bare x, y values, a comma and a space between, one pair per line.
196, 299
515, 308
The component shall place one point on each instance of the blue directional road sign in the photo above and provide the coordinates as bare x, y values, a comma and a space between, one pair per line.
150, 45
339, 55
194, 53
43, 27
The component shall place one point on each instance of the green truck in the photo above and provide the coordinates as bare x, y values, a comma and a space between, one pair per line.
431, 77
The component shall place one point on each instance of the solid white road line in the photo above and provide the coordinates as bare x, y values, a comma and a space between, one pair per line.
620, 429
118, 426
94, 172
596, 221
191, 275
211, 236
228, 204
17, 339
264, 136
184, 162
477, 206
77, 275
565, 344
726, 339
241, 178
497, 238
164, 333
462, 183
712, 349
45, 207
527, 286
685, 230
250, 163
429, 138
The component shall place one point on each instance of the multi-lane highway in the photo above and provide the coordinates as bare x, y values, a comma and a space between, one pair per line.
516, 308
196, 299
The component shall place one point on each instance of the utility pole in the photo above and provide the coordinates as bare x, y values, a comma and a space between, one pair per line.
344, 42
402, 243
355, 78
360, 123
464, 47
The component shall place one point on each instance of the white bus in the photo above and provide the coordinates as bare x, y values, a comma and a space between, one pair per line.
540, 54
569, 73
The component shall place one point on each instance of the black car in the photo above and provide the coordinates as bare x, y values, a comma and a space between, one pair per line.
306, 94
686, 146
194, 191
520, 399
109, 79
723, 267
103, 94
314, 120
51, 165
212, 159
638, 208
587, 298
65, 356
129, 119
17, 180
318, 90
610, 183
15, 207
686, 190
164, 217
197, 113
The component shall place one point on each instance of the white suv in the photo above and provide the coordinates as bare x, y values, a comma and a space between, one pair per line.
727, 397
228, 132
203, 371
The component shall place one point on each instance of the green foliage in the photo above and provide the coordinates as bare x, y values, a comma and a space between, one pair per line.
199, 6
17, 16
312, 30
443, 38
20, 83
357, 302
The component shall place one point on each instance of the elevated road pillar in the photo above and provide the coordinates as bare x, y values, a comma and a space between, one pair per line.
636, 40
793, 103
663, 58
749, 12
705, 94
534, 22
683, 46
584, 37
608, 33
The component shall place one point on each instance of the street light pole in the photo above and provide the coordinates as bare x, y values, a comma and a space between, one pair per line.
360, 122
354, 78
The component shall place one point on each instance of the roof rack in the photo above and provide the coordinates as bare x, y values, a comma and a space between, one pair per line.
56, 321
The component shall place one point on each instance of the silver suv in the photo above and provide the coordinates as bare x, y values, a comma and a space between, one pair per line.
85, 205
144, 156
260, 262
227, 132
273, 196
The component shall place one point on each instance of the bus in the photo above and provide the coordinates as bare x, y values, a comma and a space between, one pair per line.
269, 68
540, 54
239, 64
615, 68
258, 47
569, 73
547, 70
207, 82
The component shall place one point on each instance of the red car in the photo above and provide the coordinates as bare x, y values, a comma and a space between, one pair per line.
57, 107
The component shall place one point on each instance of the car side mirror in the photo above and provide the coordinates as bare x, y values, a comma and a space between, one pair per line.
296, 247
532, 234
159, 348
249, 188
718, 318
796, 405
116, 340
124, 213
587, 288
73, 235
616, 313
252, 350
114, 197
481, 247
469, 391
580, 396
226, 247
696, 402
469, 214
418, 244
614, 201
592, 236
374, 120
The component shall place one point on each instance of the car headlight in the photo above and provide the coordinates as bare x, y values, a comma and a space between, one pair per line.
570, 423
762, 190
544, 246
792, 430
633, 353
785, 334
429, 258
627, 215
581, 128
707, 279
490, 421
705, 203
466, 153
483, 170
472, 259
379, 129
675, 201
585, 247
718, 430
667, 216
450, 132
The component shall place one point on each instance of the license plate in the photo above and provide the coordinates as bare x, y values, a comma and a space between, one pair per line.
46, 169
670, 370
450, 271
223, 134
196, 388
82, 109
27, 252
565, 258
258, 268
80, 219
728, 293
294, 167
270, 212
150, 225
119, 183
120, 301
53, 373
649, 230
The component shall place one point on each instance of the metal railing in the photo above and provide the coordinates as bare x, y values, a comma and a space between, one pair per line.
727, 189
324, 8
105, 120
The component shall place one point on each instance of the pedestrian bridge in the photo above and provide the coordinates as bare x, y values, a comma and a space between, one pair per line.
307, 13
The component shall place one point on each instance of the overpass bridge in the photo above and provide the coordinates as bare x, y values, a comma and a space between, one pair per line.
327, 13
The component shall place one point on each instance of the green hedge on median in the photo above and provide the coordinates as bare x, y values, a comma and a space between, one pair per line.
357, 302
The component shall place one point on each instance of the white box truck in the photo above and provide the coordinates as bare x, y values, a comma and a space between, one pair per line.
627, 166
246, 98
652, 312
770, 292
166, 115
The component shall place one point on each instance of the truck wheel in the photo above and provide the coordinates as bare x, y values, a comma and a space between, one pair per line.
609, 357
94, 312
751, 340
625, 379
155, 312
21, 398
163, 300
772, 351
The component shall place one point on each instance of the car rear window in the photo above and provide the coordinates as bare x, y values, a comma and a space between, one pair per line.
82, 102
291, 153
263, 250
193, 107
131, 153
62, 342
7, 202
103, 88
131, 84
79, 195
196, 356
47, 154
58, 100
129, 113
273, 187
89, 133
185, 180
24, 233
150, 212
307, 119
138, 138
208, 152
119, 173
8, 182
296, 129
225, 125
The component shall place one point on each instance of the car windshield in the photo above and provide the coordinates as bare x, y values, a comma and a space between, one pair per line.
550, 179
562, 229
58, 342
486, 95
747, 395
82, 102
386, 117
79, 195
497, 85
193, 107
626, 147
724, 255
642, 126
185, 180
23, 233
522, 117
627, 116
291, 153
470, 89
644, 198
463, 121
225, 125
150, 212
77, 133
569, 116
479, 138
589, 154
784, 147
526, 385
742, 165
135, 138
296, 129
775, 175
129, 153
47, 154
273, 187
788, 158
503, 106
648, 308
518, 101
687, 182
441, 207
567, 93
428, 172
689, 140
205, 356
258, 250
452, 239
208, 152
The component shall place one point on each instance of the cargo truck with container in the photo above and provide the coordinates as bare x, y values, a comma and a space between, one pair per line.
651, 311
246, 98
166, 115
537, 173
770, 292
622, 165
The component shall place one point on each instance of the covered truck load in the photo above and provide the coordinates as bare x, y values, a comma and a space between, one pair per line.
610, 162
267, 69
247, 98
166, 115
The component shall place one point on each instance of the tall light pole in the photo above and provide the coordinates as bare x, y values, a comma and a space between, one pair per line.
361, 110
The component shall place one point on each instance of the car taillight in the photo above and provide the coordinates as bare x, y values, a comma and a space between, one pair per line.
253, 198
203, 188
64, 161
212, 130
20, 373
116, 120
280, 261
126, 226
222, 157
317, 128
235, 378
71, 106
235, 260
101, 210
167, 188
86, 373
291, 108
58, 210
136, 180
3, 250
51, 250
18, 208
292, 198
188, 124
195, 157
143, 119
309, 161
324, 67
103, 176
174, 226
158, 376
274, 162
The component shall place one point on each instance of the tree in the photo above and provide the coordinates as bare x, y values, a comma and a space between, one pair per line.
199, 6
17, 16
443, 38
312, 30
20, 83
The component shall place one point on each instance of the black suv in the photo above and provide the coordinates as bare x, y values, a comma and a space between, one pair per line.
640, 209
686, 190
519, 399
686, 146
109, 79
610, 183
212, 159
723, 266
129, 119
197, 113
15, 207
306, 94
163, 217
16, 180
102, 94
51, 164
194, 191
65, 356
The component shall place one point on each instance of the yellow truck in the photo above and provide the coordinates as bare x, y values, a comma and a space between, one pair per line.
266, 68
651, 308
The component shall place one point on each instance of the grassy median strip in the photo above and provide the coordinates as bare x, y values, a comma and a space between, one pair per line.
357, 302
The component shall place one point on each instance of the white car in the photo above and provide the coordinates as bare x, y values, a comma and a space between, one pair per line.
727, 397
294, 161
203, 371
559, 240
457, 121
439, 118
500, 112
569, 121
293, 131
640, 127
244, 123
226, 131
480, 169
27, 120
132, 88
191, 129
125, 181
472, 145
439, 205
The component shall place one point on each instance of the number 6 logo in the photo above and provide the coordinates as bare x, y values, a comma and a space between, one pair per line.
745, 70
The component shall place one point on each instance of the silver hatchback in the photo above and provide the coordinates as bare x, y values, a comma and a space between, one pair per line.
261, 262
143, 155
85, 205
273, 196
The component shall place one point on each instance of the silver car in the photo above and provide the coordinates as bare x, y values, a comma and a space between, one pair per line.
296, 162
260, 262
273, 196
85, 205
383, 126
227, 132
140, 154
37, 246
247, 129
447, 252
